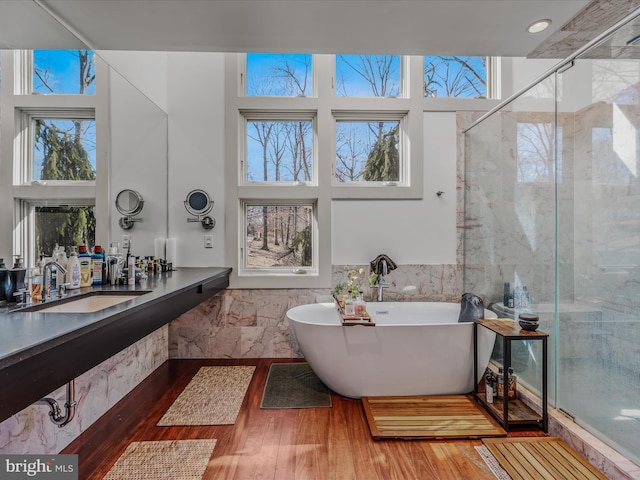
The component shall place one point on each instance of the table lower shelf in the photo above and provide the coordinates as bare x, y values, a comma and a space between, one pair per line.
519, 412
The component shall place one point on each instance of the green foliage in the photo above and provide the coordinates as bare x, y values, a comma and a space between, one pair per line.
64, 155
65, 158
383, 163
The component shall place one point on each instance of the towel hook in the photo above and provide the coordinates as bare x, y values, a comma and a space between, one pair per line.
439, 193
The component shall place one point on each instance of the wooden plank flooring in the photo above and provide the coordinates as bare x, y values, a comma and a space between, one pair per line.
282, 444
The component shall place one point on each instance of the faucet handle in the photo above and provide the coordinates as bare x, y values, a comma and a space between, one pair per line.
62, 289
24, 294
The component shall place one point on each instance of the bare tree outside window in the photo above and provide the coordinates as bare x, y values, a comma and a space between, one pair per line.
455, 76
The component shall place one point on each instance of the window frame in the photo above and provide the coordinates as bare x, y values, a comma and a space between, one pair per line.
22, 194
285, 272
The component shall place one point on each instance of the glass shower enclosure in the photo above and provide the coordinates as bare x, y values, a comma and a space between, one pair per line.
552, 224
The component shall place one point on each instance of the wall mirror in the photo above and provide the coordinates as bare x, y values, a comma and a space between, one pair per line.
198, 204
129, 203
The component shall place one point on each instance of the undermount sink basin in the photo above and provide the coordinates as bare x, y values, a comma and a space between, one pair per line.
87, 303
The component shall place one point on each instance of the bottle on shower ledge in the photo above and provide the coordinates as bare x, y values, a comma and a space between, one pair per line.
506, 293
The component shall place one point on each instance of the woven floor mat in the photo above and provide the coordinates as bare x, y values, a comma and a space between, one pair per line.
170, 459
541, 458
213, 397
429, 417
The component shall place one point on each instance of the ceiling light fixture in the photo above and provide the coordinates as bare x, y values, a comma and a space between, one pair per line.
539, 26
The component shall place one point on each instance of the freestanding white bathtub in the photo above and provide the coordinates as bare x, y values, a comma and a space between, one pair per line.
416, 348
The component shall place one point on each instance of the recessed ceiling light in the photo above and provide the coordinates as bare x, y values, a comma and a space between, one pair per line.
539, 26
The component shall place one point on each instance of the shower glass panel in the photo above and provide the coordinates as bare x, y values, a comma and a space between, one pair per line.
552, 191
599, 225
509, 235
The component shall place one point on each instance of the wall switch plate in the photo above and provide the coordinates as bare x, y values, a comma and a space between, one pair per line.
208, 241
126, 241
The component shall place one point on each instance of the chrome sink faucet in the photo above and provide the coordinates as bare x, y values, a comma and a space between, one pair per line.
45, 269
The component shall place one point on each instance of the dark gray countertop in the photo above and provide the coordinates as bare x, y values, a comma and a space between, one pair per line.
41, 351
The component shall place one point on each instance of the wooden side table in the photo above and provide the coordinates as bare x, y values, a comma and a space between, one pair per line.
514, 411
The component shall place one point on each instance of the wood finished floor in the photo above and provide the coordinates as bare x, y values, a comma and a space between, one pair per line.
301, 444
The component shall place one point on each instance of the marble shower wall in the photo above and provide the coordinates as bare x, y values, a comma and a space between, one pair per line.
97, 390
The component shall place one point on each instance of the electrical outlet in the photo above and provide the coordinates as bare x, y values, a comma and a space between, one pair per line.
208, 241
126, 241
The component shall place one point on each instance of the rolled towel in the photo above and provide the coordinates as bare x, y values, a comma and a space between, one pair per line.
376, 264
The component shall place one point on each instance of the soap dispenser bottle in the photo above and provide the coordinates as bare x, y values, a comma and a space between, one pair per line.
73, 270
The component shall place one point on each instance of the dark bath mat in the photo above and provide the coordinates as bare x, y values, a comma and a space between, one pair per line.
294, 385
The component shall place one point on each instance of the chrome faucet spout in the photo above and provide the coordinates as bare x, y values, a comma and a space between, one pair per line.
45, 269
381, 286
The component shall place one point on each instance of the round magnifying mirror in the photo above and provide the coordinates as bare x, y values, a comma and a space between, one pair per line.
198, 203
129, 202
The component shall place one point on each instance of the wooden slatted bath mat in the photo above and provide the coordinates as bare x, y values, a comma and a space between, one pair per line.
429, 417
541, 458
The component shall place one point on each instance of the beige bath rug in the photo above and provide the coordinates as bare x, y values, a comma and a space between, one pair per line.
213, 397
170, 459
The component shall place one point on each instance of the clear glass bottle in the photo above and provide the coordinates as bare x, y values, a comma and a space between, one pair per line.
360, 306
349, 306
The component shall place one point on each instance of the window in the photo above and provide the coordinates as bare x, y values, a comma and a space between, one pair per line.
455, 76
279, 237
368, 151
64, 149
368, 75
63, 71
279, 150
279, 75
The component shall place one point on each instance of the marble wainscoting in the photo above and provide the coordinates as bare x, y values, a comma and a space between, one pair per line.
97, 390
251, 323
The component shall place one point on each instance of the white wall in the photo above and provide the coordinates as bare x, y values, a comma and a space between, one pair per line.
195, 106
409, 231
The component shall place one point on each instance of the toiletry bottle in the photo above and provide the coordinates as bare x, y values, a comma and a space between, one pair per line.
349, 306
85, 266
73, 270
4, 273
61, 258
500, 383
511, 389
489, 386
15, 281
97, 264
131, 270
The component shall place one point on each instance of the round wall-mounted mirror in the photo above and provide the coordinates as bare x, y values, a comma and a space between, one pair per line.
129, 202
198, 203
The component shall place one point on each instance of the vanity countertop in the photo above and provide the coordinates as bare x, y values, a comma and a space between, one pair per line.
41, 351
